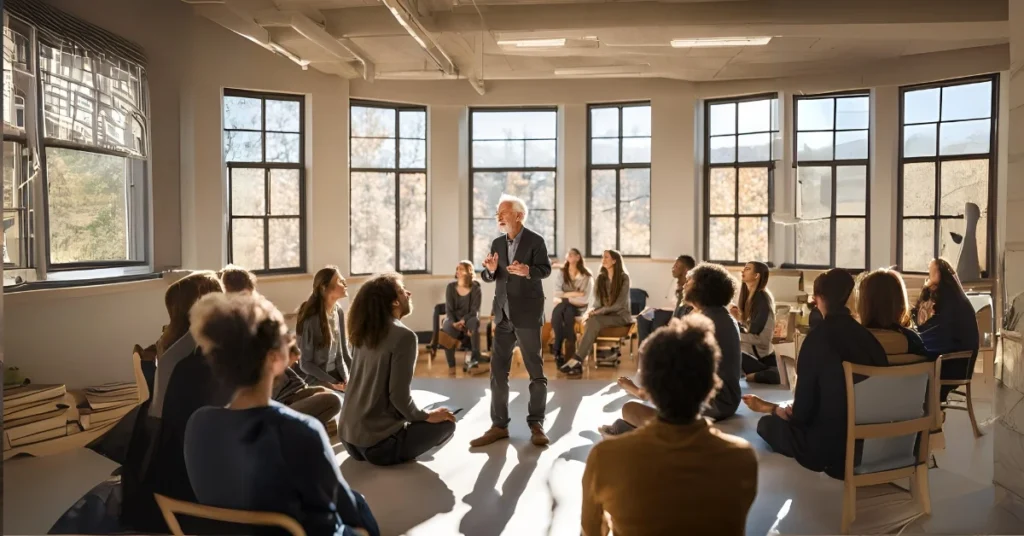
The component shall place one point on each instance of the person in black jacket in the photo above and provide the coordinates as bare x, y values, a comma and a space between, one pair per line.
951, 324
517, 264
813, 429
155, 461
462, 313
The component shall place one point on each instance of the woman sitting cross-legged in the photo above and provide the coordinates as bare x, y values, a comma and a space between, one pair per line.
610, 308
882, 308
813, 429
709, 289
256, 454
951, 324
320, 402
677, 474
462, 312
321, 327
757, 325
380, 422
571, 299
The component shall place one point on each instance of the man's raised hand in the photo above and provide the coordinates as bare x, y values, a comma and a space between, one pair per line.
491, 262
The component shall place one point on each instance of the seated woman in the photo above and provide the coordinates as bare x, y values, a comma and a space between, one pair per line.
380, 422
951, 325
709, 289
571, 298
319, 402
462, 313
610, 308
321, 327
257, 454
757, 325
813, 429
883, 309
676, 474
155, 462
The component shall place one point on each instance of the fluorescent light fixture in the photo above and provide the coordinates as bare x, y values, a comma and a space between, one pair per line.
600, 71
533, 43
720, 42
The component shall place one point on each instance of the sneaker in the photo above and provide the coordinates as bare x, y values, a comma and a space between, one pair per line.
537, 435
573, 368
490, 436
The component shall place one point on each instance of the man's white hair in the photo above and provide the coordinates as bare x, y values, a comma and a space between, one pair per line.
518, 204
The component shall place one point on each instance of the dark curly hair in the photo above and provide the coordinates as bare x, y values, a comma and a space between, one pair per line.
712, 286
237, 279
678, 367
236, 332
370, 315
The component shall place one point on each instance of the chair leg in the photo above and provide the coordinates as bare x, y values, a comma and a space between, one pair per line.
919, 488
970, 412
849, 508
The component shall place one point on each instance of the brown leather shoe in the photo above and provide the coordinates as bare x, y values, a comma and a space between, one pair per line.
490, 436
537, 435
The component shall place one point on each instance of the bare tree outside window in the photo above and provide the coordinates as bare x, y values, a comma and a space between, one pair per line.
742, 141
832, 180
514, 151
264, 154
619, 171
388, 186
946, 160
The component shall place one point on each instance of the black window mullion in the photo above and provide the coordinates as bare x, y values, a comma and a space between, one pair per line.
266, 214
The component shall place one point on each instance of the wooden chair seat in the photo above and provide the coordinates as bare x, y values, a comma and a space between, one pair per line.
171, 508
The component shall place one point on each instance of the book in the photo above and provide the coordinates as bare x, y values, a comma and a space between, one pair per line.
17, 429
111, 387
35, 408
104, 402
90, 418
27, 394
60, 431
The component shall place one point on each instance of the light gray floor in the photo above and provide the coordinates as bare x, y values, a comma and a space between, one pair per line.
515, 488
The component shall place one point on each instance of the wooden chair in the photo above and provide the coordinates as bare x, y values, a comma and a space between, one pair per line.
610, 338
968, 405
173, 507
889, 416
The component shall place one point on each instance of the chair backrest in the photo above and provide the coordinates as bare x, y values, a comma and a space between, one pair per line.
889, 415
173, 507
637, 300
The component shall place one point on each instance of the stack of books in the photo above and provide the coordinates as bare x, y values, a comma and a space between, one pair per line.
34, 413
105, 404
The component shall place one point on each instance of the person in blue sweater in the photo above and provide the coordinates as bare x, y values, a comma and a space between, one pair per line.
950, 325
257, 454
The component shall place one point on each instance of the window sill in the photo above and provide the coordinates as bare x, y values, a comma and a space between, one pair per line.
80, 287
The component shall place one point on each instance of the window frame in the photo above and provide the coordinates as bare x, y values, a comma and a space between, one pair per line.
834, 164
618, 168
397, 171
552, 248
737, 165
26, 247
992, 155
266, 166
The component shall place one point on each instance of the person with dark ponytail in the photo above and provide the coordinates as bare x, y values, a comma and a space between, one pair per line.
951, 324
321, 324
757, 325
257, 454
571, 299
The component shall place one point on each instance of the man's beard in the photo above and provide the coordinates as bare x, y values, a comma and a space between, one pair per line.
502, 228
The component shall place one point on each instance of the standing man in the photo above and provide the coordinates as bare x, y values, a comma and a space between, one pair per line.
517, 263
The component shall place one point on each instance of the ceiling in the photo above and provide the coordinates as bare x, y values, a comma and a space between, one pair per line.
606, 39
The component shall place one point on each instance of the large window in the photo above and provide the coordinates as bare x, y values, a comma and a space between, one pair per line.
742, 141
388, 183
16, 209
513, 151
832, 180
946, 162
263, 148
619, 186
94, 149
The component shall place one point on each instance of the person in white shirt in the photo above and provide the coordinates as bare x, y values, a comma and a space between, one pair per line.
668, 306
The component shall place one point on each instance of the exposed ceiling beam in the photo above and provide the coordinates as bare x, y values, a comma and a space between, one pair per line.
864, 19
309, 29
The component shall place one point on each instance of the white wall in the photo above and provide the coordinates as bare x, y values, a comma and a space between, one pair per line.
84, 336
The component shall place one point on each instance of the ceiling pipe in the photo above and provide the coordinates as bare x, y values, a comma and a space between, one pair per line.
242, 24
309, 29
411, 22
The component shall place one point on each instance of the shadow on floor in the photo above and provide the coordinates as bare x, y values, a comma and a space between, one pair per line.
491, 510
425, 495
